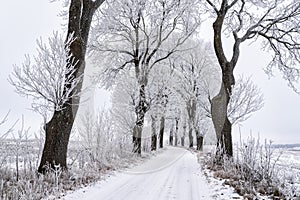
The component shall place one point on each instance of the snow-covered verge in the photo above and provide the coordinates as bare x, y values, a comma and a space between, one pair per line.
28, 185
90, 158
174, 174
257, 171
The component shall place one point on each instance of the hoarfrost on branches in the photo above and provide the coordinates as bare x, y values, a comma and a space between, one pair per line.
246, 99
275, 22
141, 33
46, 78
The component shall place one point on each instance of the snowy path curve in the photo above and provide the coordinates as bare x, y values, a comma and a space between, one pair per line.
174, 174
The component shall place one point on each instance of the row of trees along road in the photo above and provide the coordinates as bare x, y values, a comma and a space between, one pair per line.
141, 34
153, 47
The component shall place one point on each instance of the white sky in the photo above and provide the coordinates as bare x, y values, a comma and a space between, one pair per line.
22, 22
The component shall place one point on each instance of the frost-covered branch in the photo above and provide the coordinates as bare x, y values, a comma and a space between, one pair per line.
276, 22
141, 34
245, 100
46, 78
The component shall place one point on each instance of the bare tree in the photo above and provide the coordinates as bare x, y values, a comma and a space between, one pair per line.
276, 22
161, 100
134, 34
164, 102
124, 98
58, 129
192, 67
44, 77
246, 99
201, 128
98, 139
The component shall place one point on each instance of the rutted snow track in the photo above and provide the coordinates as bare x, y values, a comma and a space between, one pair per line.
174, 174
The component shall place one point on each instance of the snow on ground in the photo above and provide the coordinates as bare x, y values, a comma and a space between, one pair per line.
173, 174
289, 157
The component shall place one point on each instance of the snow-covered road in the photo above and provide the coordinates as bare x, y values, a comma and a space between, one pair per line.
174, 174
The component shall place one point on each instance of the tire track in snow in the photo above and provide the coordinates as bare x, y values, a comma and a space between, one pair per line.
172, 175
165, 189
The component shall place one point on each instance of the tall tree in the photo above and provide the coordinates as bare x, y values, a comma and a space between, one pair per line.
276, 22
45, 78
192, 67
159, 93
56, 77
134, 34
201, 128
58, 129
124, 99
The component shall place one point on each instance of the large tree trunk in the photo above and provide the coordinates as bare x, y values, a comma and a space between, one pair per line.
161, 132
153, 135
137, 140
58, 129
227, 138
56, 142
219, 103
221, 122
140, 110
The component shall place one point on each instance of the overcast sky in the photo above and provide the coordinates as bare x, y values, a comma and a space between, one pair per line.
22, 22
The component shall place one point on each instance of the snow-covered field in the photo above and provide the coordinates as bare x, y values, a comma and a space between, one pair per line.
174, 174
290, 158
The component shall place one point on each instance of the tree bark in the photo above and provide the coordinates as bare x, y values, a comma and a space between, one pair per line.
182, 141
183, 136
199, 141
221, 123
58, 129
140, 110
219, 104
171, 140
171, 137
191, 137
137, 140
176, 131
226, 139
161, 132
153, 135
191, 110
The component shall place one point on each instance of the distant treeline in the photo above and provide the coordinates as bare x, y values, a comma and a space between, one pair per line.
288, 146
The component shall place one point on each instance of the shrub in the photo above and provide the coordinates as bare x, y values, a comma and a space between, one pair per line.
253, 170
